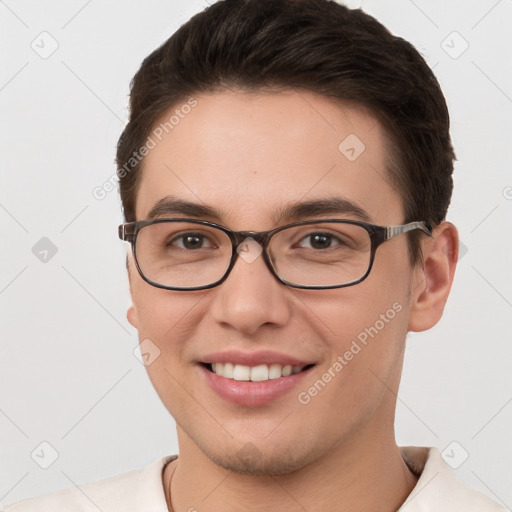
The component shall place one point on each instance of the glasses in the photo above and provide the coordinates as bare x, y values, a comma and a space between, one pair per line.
190, 254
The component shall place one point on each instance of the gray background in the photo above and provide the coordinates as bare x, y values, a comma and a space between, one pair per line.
69, 376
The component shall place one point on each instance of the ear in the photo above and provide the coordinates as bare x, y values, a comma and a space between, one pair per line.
131, 313
433, 277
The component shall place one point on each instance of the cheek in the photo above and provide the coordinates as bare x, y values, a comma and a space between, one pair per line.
167, 322
365, 348
162, 313
348, 313
363, 327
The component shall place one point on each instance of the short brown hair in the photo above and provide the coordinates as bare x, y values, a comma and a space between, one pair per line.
315, 45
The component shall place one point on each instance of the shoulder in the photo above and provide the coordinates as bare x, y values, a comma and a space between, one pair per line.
135, 490
438, 488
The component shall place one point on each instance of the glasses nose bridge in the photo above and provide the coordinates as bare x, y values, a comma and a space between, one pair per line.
261, 237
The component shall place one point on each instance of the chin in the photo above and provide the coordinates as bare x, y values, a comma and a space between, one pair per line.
249, 460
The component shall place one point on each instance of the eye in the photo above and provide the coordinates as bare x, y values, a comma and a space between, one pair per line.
319, 240
191, 241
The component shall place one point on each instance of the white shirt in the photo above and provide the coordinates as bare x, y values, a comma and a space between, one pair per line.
437, 490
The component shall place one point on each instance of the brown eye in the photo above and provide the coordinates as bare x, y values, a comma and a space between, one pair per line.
191, 241
319, 241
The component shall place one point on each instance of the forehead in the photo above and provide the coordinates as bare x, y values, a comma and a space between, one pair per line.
249, 155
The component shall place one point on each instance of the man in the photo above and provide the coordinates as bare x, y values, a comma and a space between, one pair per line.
285, 176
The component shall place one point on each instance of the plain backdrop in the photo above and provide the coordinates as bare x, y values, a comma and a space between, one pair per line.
69, 375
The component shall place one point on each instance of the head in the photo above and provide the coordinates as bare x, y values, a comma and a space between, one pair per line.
248, 110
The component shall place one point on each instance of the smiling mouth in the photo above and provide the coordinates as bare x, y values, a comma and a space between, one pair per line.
259, 373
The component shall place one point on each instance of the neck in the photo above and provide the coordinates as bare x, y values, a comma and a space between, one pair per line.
366, 474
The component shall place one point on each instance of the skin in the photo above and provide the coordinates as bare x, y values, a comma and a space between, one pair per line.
247, 155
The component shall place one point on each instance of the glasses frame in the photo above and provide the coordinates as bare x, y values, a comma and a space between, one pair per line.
378, 235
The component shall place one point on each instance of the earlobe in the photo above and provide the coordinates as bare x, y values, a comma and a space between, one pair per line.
434, 277
131, 315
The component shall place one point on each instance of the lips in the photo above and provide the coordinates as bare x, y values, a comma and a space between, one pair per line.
253, 379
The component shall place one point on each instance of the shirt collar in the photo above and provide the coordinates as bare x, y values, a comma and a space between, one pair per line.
437, 489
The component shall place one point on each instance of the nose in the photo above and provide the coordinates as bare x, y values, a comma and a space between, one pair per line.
251, 296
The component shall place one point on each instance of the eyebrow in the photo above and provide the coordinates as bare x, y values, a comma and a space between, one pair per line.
170, 205
299, 210
317, 207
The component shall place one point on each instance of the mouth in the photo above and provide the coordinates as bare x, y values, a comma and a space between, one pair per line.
259, 373
262, 381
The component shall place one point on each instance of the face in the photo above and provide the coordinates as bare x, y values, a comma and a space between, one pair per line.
250, 156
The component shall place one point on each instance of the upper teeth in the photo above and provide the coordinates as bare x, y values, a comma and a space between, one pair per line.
254, 373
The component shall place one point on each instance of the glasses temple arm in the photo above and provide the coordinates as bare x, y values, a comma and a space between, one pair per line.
392, 231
